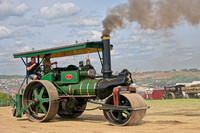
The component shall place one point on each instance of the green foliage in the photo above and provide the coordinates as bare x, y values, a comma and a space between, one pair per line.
179, 78
193, 70
190, 70
4, 96
5, 100
184, 70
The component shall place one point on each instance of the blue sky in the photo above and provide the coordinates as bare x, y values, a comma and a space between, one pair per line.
39, 24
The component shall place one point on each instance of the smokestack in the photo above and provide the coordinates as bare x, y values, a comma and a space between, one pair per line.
106, 70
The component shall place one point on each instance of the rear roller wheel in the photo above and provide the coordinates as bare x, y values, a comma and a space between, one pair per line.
45, 96
126, 117
170, 95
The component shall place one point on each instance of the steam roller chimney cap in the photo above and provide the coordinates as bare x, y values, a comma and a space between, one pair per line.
105, 37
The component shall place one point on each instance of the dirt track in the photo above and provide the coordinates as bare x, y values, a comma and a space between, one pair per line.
163, 116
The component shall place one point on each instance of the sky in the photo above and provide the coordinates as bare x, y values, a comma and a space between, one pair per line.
38, 24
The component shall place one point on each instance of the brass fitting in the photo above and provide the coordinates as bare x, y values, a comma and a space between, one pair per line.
105, 37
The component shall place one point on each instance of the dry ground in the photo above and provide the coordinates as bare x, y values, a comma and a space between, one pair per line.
166, 116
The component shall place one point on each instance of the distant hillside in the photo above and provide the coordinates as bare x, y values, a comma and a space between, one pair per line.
11, 76
160, 79
164, 75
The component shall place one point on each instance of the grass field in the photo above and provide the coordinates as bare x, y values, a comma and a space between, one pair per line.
174, 107
166, 116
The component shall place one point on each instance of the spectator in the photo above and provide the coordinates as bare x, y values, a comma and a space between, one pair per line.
32, 68
47, 63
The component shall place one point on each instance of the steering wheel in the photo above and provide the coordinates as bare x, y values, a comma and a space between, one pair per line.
40, 70
54, 68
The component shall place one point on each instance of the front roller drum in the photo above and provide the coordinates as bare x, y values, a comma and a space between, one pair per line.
45, 97
126, 117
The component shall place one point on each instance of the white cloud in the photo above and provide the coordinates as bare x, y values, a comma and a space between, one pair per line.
25, 49
4, 32
187, 58
142, 40
114, 52
84, 33
144, 53
94, 60
131, 39
90, 35
12, 8
118, 57
57, 41
67, 12
147, 48
96, 35
59, 10
26, 22
130, 55
22, 33
19, 42
171, 51
90, 22
65, 61
84, 22
146, 31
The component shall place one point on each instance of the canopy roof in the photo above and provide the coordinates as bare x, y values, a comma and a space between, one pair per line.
68, 50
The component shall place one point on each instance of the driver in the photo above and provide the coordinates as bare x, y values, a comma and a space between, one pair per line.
32, 67
47, 63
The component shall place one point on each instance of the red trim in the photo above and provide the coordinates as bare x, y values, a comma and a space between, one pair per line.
116, 96
131, 89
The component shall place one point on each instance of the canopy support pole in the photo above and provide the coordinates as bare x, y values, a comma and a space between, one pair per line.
38, 58
22, 83
100, 57
26, 71
26, 78
24, 61
42, 60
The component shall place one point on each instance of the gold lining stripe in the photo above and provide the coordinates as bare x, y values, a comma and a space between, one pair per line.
95, 85
70, 89
80, 88
87, 88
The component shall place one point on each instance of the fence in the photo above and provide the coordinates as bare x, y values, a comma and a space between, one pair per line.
4, 103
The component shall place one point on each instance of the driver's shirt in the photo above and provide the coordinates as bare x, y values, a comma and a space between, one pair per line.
46, 67
33, 70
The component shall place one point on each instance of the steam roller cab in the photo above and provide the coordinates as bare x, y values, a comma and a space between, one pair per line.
66, 90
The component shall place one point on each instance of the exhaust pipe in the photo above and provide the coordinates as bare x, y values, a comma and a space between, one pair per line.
106, 70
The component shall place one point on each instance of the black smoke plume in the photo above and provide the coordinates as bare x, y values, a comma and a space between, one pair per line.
153, 14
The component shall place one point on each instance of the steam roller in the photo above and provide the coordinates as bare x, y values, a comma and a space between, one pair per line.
65, 91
